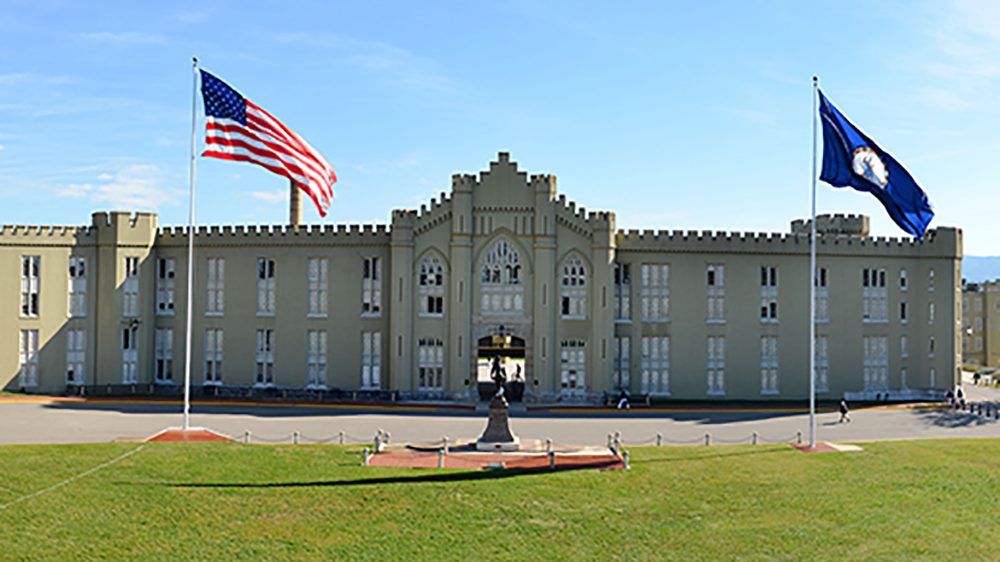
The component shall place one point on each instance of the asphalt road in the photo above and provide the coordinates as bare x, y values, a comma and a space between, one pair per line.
97, 422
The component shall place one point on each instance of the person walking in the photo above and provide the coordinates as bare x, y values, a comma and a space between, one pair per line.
623, 401
844, 412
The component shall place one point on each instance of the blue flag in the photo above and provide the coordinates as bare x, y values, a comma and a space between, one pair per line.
851, 158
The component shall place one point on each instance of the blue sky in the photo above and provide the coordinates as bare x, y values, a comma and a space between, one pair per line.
675, 115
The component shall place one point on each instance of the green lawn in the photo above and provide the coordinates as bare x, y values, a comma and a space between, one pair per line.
896, 500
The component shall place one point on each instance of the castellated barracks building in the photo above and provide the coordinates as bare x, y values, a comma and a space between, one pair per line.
500, 266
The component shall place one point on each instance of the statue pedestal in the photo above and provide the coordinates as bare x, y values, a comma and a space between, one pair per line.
498, 436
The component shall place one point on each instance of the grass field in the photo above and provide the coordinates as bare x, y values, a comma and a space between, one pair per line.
896, 500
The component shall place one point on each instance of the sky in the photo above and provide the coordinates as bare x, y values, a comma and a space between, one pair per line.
674, 115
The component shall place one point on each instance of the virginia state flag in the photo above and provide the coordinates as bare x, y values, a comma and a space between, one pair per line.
851, 158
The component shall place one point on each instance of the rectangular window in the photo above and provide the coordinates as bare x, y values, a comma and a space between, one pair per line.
317, 286
265, 358
215, 285
76, 345
371, 287
165, 286
265, 287
130, 354
430, 287
430, 364
77, 300
715, 281
876, 362
371, 359
28, 356
930, 281
903, 284
30, 284
655, 292
622, 362
572, 366
902, 313
623, 292
904, 350
769, 365
822, 364
656, 365
130, 288
316, 358
930, 313
716, 363
164, 356
822, 296
574, 289
930, 346
213, 355
978, 324
875, 296
769, 294
979, 305
979, 343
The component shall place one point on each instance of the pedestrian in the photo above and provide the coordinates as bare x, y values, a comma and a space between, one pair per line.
623, 401
950, 398
844, 412
960, 397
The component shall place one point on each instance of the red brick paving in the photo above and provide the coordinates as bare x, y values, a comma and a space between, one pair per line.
821, 447
189, 436
482, 460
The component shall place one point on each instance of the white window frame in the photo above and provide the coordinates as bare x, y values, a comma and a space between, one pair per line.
715, 289
655, 365
822, 363
430, 364
266, 285
623, 292
822, 295
215, 286
27, 358
500, 279
622, 358
904, 345
654, 292
904, 284
930, 313
769, 365
716, 365
573, 367
214, 351
876, 363
316, 358
430, 287
264, 355
371, 360
371, 286
130, 354
163, 372
875, 296
76, 353
316, 273
769, 294
30, 286
130, 287
573, 289
76, 298
165, 274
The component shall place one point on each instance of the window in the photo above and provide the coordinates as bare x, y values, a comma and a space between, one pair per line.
371, 287
265, 287
500, 279
215, 285
165, 286
164, 356
130, 354
654, 292
769, 294
371, 359
715, 281
904, 350
430, 364
902, 379
213, 356
623, 292
930, 313
130, 288
316, 358
978, 324
77, 298
979, 343
902, 313
28, 356
622, 362
430, 287
574, 289
930, 281
265, 358
875, 296
716, 362
655, 365
930, 346
317, 286
30, 285
572, 366
769, 365
903, 285
822, 296
979, 305
876, 363
822, 364
76, 345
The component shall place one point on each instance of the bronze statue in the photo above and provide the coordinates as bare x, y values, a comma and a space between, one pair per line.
498, 374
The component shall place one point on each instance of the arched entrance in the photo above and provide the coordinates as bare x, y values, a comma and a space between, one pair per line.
511, 351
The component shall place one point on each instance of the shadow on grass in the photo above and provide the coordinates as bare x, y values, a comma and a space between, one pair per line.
718, 455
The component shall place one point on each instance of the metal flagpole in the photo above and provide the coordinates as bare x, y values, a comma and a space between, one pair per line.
190, 260
812, 280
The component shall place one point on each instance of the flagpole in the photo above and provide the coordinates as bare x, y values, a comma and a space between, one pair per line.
812, 279
190, 260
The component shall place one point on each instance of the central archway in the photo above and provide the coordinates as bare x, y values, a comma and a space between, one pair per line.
511, 351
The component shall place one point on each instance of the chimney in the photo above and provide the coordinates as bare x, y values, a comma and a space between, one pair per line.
294, 206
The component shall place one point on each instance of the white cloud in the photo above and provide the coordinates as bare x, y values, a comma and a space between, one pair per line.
136, 186
1, 147
123, 38
276, 196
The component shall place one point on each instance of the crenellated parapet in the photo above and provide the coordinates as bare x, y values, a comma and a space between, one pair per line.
436, 213
848, 225
242, 235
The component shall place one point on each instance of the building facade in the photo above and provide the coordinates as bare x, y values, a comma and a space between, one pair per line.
981, 324
416, 308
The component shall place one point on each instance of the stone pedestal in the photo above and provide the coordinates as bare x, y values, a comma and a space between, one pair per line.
498, 436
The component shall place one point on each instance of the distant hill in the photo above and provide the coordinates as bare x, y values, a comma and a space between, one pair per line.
976, 269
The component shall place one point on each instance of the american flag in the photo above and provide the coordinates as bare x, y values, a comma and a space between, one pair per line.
237, 129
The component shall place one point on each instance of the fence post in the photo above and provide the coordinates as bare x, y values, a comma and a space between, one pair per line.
364, 457
441, 458
659, 439
798, 438
548, 445
341, 437
246, 436
625, 459
708, 439
378, 443
753, 439
295, 437
610, 441
552, 460
444, 444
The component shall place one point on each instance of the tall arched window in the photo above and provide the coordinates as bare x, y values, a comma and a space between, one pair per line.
430, 287
502, 290
574, 289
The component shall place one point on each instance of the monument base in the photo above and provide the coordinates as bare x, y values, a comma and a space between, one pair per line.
505, 446
498, 436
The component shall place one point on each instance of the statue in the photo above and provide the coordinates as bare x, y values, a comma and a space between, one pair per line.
498, 436
499, 375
